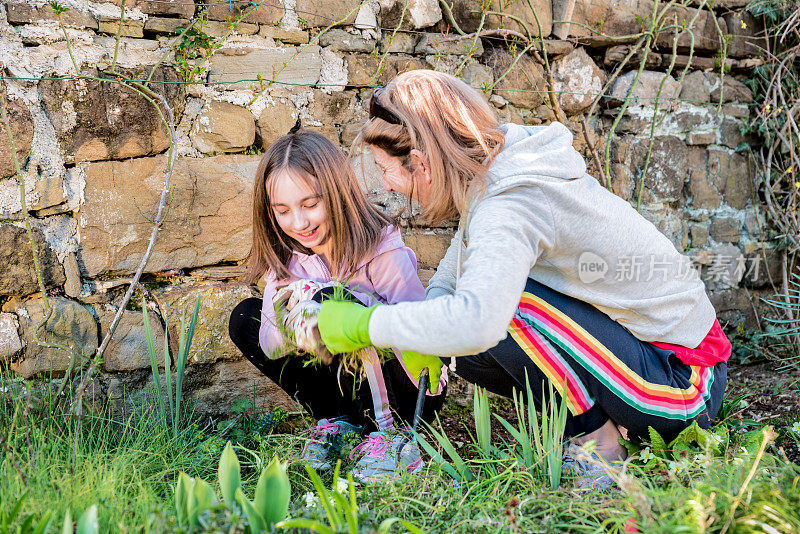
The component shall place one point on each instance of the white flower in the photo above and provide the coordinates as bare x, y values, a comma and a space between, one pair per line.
738, 461
311, 499
744, 451
716, 438
646, 454
341, 485
796, 427
703, 460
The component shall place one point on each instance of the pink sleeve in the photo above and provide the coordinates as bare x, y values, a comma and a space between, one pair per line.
394, 276
269, 337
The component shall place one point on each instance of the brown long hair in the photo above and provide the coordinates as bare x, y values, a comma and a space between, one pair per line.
451, 124
355, 224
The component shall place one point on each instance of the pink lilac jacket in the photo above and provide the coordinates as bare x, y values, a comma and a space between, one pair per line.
388, 277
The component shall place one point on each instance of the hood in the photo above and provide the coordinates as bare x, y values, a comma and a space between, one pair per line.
532, 155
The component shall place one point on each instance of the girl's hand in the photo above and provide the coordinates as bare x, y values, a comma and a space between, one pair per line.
302, 321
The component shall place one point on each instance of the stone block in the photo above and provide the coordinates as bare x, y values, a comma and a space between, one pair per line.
730, 90
212, 389
21, 122
646, 90
704, 194
323, 13
164, 25
730, 133
282, 64
344, 41
524, 85
467, 14
699, 234
734, 308
728, 172
267, 13
362, 69
666, 172
10, 343
588, 16
211, 341
442, 45
223, 127
334, 108
579, 81
746, 33
72, 286
284, 35
25, 12
18, 275
99, 120
614, 55
208, 222
275, 121
763, 268
477, 75
725, 230
701, 138
428, 245
704, 29
399, 43
695, 88
127, 350
220, 30
180, 8
130, 27
70, 325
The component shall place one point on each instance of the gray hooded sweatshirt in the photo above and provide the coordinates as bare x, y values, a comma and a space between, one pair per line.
541, 216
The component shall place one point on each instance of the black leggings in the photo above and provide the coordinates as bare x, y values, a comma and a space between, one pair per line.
323, 392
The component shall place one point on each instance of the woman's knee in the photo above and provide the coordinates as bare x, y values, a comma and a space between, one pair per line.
244, 318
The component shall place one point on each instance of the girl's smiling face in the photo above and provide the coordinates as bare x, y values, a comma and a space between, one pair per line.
300, 212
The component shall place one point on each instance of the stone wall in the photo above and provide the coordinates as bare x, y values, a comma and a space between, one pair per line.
93, 153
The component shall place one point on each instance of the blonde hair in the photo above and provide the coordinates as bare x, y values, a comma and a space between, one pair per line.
356, 226
451, 124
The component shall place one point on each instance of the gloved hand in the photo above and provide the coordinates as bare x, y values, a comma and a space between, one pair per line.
416, 362
344, 326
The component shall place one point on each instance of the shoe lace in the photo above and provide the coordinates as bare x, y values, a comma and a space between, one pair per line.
323, 429
374, 446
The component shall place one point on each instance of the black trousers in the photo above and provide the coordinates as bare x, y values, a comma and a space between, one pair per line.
631, 382
320, 389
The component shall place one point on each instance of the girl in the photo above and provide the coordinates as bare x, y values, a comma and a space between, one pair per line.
312, 225
550, 275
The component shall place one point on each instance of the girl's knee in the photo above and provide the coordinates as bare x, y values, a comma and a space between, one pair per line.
245, 315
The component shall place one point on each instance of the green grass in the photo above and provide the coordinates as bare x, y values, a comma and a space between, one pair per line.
129, 470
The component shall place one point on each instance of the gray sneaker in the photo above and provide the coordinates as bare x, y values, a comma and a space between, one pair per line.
385, 456
321, 444
589, 470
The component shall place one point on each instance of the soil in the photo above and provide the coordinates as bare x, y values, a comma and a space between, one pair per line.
763, 393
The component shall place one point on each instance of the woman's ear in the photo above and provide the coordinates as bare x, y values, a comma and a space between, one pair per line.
419, 163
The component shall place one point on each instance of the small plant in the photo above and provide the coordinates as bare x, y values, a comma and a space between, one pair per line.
9, 512
540, 442
341, 510
194, 497
184, 344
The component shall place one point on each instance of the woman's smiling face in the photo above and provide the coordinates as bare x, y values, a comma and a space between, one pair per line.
299, 211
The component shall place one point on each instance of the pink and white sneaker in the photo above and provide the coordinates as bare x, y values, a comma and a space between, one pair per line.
385, 455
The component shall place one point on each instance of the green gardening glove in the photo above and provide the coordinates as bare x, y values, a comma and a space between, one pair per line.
416, 362
344, 326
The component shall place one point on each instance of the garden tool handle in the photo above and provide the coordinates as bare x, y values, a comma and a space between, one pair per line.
423, 387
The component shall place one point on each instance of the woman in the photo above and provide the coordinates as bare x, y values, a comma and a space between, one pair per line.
550, 276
